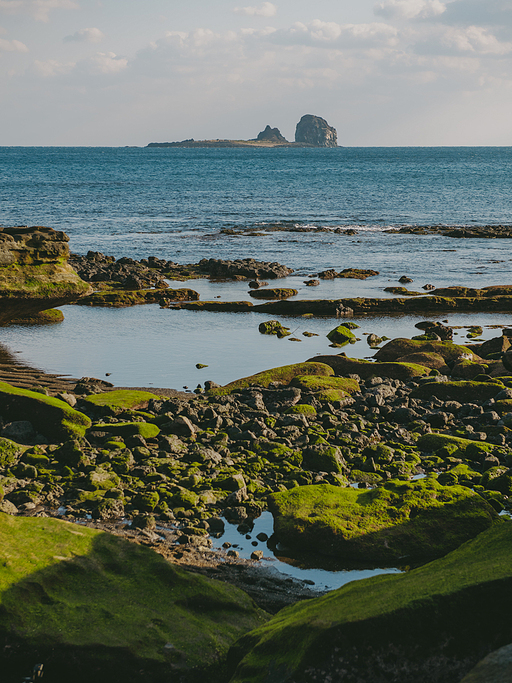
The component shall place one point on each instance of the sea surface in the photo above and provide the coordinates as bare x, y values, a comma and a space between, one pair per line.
285, 205
180, 204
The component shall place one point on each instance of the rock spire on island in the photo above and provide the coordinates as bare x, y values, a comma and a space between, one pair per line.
272, 135
314, 130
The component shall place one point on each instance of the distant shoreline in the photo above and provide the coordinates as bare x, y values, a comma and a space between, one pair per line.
231, 144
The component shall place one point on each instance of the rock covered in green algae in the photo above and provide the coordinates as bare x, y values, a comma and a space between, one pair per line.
122, 399
463, 391
90, 605
53, 418
341, 335
283, 375
342, 365
326, 388
398, 521
276, 293
430, 624
274, 327
396, 349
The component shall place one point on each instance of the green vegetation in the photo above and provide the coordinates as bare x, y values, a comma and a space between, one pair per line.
122, 398
275, 293
119, 298
341, 335
53, 418
107, 603
413, 520
300, 409
145, 429
10, 453
326, 388
274, 327
397, 348
451, 610
342, 365
283, 375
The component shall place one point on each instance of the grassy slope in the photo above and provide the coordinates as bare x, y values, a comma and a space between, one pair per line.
468, 591
65, 586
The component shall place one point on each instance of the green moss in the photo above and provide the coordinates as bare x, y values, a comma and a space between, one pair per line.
119, 298
397, 348
275, 293
122, 398
125, 429
282, 375
51, 316
300, 409
366, 369
274, 327
450, 444
460, 474
341, 335
110, 605
10, 453
50, 416
327, 388
438, 612
420, 519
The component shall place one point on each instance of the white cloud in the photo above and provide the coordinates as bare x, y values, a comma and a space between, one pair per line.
105, 63
267, 9
12, 46
473, 40
332, 35
37, 9
85, 35
410, 9
52, 67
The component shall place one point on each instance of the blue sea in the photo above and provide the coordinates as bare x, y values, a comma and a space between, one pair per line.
179, 204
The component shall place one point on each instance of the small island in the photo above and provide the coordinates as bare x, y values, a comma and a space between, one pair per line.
311, 131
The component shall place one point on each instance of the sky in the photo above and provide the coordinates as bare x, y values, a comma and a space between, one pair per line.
130, 72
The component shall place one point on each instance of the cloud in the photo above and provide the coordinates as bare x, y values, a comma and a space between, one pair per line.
473, 40
479, 12
332, 35
85, 35
52, 67
267, 9
410, 9
12, 46
37, 9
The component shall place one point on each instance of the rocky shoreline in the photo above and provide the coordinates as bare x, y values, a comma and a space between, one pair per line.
404, 460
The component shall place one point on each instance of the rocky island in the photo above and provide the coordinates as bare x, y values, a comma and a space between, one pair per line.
311, 131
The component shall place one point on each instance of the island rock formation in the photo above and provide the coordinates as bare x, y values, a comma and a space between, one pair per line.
34, 272
271, 135
314, 130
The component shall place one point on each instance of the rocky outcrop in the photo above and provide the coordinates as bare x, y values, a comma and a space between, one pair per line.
34, 272
314, 130
271, 135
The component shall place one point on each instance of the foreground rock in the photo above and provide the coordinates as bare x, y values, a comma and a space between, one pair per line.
430, 624
92, 606
397, 522
34, 273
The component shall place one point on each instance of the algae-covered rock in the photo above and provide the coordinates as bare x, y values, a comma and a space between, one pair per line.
10, 453
366, 369
34, 272
276, 293
326, 388
412, 520
274, 327
495, 668
397, 348
120, 298
341, 335
430, 624
475, 450
282, 375
122, 399
93, 606
144, 429
53, 418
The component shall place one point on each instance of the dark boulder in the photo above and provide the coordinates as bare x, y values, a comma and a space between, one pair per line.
271, 135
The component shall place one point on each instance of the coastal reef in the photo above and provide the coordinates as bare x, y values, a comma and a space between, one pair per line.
34, 272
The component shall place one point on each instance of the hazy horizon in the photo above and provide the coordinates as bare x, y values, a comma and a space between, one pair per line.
384, 73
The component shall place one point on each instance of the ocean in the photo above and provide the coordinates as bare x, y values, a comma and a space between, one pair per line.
280, 205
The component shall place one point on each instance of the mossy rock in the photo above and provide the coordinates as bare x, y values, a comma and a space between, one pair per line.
99, 607
300, 409
398, 348
122, 398
10, 453
125, 429
282, 375
327, 388
475, 450
444, 616
278, 293
431, 360
365, 369
102, 479
48, 317
463, 391
185, 499
460, 474
323, 458
413, 520
274, 327
50, 416
341, 335
119, 298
